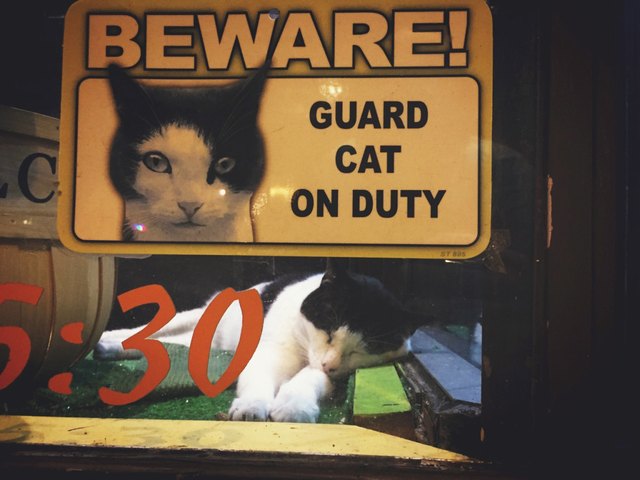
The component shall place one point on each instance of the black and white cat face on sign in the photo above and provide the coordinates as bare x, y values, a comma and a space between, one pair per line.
186, 161
266, 129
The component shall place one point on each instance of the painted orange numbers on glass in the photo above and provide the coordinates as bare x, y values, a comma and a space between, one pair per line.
252, 321
16, 338
158, 362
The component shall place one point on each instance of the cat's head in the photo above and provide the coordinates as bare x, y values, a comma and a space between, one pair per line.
356, 322
186, 156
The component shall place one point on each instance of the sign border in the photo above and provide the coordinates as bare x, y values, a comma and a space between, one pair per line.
482, 74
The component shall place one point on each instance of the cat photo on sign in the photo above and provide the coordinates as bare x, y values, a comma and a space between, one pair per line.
186, 160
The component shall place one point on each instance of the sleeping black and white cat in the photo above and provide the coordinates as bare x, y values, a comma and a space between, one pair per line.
186, 161
317, 329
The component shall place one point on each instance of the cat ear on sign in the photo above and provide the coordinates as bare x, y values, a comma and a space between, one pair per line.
258, 77
251, 89
131, 100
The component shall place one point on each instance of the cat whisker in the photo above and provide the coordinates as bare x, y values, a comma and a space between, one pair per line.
233, 133
377, 338
147, 123
240, 100
229, 128
151, 106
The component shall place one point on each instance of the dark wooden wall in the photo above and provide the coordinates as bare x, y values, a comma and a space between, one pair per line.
584, 406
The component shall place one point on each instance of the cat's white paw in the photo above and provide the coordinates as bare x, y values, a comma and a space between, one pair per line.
249, 409
293, 406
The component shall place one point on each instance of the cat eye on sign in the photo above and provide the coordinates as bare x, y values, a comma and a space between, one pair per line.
224, 165
156, 162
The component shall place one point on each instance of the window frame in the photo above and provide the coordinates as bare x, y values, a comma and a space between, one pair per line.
544, 353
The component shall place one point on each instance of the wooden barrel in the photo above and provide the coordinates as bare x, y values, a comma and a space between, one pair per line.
76, 287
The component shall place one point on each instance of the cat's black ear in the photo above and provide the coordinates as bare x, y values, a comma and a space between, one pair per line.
251, 89
337, 269
131, 100
259, 76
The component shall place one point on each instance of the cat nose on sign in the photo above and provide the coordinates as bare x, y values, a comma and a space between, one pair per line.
190, 208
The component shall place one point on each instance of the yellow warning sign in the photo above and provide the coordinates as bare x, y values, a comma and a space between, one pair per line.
269, 128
